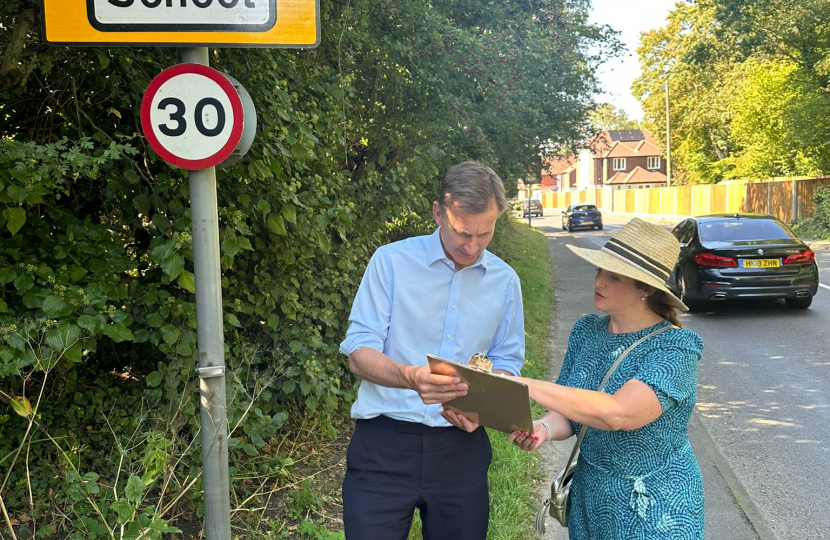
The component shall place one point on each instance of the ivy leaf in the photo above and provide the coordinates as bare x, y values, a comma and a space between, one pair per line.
7, 275
244, 243
18, 194
289, 212
92, 323
173, 265
55, 307
103, 59
123, 511
231, 319
135, 488
230, 246
75, 353
325, 244
276, 225
154, 379
155, 320
22, 406
15, 218
118, 332
63, 337
264, 206
187, 281
24, 283
161, 526
169, 333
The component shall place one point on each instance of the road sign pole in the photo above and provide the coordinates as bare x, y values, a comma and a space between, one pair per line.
204, 217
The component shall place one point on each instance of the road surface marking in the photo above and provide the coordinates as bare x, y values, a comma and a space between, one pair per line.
823, 285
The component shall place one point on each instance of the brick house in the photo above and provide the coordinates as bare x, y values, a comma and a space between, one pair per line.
620, 159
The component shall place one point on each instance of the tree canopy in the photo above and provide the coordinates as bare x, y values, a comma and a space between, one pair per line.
747, 88
607, 116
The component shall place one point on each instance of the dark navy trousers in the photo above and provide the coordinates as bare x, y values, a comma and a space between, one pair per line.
393, 467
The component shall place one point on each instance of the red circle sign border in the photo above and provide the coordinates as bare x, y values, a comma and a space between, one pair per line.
236, 106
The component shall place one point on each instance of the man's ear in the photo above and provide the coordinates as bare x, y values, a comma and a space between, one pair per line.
436, 213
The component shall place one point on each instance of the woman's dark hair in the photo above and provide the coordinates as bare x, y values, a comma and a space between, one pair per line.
657, 303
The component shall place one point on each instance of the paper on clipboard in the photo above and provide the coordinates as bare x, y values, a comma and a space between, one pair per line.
492, 400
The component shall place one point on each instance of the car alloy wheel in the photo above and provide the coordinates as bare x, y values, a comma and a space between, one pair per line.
693, 305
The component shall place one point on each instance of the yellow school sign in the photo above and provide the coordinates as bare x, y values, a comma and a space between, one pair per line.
221, 23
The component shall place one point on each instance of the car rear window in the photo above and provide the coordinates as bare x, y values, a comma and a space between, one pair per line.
584, 208
741, 230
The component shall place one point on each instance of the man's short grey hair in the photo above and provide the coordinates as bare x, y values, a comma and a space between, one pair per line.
473, 186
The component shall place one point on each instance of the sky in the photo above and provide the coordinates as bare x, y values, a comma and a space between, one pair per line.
630, 17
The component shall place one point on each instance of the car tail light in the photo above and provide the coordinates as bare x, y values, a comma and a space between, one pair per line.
808, 257
715, 261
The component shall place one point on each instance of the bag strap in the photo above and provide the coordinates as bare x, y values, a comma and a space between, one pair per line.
611, 371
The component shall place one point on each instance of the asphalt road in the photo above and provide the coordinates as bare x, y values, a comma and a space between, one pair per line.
763, 403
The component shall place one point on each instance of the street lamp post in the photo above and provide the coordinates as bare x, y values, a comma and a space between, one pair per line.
668, 137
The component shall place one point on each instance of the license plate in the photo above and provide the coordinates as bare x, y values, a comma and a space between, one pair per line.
762, 263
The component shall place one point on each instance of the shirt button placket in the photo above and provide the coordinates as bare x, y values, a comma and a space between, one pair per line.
451, 316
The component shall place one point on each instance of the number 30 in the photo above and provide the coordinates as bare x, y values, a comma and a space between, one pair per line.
181, 123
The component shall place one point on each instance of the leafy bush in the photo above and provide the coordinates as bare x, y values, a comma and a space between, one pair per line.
817, 226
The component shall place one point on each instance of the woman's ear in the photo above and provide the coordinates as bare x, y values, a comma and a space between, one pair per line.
648, 291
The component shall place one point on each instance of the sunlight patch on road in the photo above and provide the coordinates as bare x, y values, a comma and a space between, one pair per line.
768, 422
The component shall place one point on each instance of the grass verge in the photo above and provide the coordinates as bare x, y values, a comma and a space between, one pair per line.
514, 473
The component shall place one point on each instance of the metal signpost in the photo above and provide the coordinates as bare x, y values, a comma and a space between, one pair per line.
193, 118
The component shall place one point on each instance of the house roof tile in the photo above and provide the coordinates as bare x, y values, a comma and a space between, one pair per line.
637, 176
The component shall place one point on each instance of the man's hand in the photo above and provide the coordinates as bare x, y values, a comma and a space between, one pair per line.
459, 420
434, 388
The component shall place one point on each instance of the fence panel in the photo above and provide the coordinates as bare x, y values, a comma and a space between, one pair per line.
654, 195
718, 199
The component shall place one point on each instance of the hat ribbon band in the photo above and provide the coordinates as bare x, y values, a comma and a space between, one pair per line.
635, 257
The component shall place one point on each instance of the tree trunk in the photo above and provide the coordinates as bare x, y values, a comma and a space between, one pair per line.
10, 74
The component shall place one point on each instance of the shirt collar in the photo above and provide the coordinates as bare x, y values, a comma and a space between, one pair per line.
435, 252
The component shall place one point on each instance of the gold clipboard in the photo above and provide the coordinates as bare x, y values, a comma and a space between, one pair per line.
492, 401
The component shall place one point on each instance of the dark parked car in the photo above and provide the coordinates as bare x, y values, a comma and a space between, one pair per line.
579, 216
531, 206
723, 257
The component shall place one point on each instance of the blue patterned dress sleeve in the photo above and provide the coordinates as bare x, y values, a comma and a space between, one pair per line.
671, 369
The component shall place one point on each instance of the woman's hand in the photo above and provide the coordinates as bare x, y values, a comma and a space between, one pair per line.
529, 441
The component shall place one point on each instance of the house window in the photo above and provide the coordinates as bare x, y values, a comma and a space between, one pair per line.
653, 163
619, 164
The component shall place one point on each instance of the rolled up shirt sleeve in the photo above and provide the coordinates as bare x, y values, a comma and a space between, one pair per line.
507, 350
372, 307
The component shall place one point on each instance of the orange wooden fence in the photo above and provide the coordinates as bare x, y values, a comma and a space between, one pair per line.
786, 199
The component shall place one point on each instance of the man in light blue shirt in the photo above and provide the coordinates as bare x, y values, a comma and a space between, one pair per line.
440, 294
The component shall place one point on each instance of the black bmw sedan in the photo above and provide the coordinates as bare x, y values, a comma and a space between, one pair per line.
729, 256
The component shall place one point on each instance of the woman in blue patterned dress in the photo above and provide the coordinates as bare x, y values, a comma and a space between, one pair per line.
636, 477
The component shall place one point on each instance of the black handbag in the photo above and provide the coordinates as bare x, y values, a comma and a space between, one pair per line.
560, 488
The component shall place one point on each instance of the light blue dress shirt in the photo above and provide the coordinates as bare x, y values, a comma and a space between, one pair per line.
412, 301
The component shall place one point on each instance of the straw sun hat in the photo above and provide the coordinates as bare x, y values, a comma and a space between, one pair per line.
641, 251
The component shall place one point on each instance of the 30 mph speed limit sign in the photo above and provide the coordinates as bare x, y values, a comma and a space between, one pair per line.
192, 116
